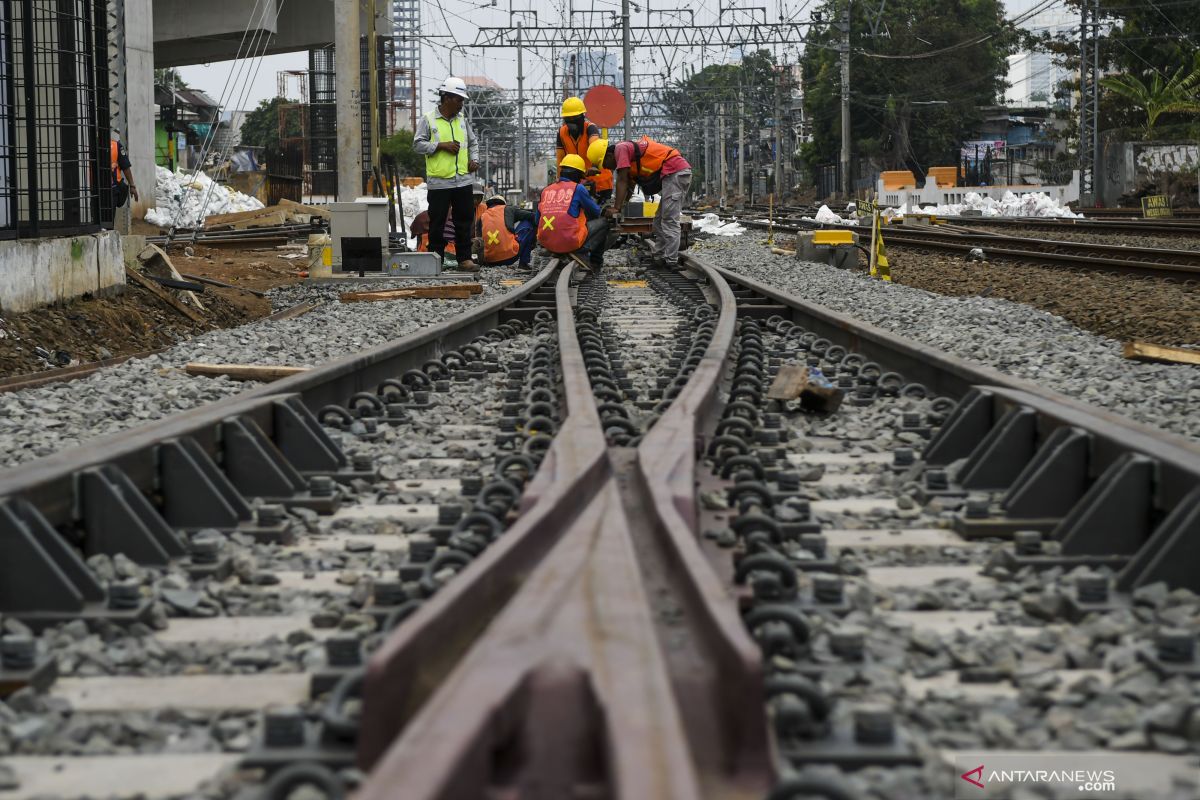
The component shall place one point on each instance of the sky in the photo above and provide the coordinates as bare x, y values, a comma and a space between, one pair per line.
446, 23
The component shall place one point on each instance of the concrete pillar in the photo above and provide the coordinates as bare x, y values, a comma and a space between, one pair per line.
139, 99
346, 34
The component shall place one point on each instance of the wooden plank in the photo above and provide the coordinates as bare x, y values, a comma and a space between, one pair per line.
450, 291
1144, 351
298, 310
164, 295
294, 208
243, 372
239, 217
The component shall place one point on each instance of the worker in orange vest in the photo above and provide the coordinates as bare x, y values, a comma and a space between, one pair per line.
655, 168
123, 186
569, 220
508, 233
574, 137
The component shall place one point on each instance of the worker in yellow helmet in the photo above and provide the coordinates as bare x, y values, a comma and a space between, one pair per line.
569, 220
574, 137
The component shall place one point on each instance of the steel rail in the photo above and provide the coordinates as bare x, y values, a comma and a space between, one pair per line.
613, 662
51, 484
1017, 249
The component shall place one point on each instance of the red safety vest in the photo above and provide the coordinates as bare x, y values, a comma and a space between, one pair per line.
499, 244
558, 231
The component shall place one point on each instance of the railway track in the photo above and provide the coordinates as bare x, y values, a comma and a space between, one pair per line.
1172, 264
568, 545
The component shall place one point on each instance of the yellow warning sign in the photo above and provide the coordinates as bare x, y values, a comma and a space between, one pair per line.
628, 284
511, 282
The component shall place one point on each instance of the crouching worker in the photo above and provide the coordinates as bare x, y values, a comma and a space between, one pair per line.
569, 220
508, 234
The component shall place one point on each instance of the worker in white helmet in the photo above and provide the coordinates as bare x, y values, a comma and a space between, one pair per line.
445, 139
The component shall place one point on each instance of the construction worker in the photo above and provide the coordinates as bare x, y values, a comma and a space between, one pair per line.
508, 233
656, 169
445, 139
449, 232
575, 136
123, 186
569, 220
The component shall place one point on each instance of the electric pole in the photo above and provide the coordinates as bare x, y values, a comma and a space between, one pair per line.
721, 156
346, 34
845, 48
521, 114
625, 59
779, 134
741, 145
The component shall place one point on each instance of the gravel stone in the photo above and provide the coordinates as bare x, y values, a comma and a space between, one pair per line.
1010, 337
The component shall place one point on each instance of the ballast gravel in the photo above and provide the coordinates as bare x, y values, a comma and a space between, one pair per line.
1011, 337
40, 422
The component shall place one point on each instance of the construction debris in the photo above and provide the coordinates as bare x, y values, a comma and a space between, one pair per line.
243, 372
813, 389
163, 294
156, 263
1144, 351
449, 291
185, 202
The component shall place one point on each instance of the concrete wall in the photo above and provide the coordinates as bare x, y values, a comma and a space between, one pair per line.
1131, 168
38, 272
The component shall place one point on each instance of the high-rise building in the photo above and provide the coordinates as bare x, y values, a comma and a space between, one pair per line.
1034, 76
583, 69
404, 103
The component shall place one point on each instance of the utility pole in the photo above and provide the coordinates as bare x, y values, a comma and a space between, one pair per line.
625, 60
779, 136
521, 113
373, 84
1096, 154
721, 157
741, 138
846, 101
346, 30
707, 158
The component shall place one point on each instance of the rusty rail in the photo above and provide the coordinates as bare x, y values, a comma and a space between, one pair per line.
610, 660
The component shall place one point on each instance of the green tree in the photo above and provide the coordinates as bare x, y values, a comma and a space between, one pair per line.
170, 77
261, 126
1178, 94
920, 72
400, 147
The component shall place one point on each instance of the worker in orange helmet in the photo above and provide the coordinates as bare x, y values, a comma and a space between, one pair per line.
569, 220
574, 137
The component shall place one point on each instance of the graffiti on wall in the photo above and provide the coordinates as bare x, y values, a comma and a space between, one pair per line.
1168, 158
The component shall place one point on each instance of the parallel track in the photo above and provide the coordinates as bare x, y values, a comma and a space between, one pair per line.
604, 644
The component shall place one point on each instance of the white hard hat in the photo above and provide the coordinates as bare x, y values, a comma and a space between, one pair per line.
453, 85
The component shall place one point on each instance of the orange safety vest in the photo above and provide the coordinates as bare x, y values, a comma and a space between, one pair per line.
499, 243
558, 231
651, 157
579, 146
114, 150
451, 248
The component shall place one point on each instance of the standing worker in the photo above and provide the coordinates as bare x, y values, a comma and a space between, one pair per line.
122, 172
446, 141
568, 218
656, 169
508, 234
574, 138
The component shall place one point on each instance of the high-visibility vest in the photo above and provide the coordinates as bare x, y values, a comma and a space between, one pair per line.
499, 243
579, 146
650, 157
558, 231
114, 152
441, 164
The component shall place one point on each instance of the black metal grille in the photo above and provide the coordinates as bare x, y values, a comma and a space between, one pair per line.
57, 72
8, 134
322, 119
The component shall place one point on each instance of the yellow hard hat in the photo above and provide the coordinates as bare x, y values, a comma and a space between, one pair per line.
573, 107
574, 162
596, 151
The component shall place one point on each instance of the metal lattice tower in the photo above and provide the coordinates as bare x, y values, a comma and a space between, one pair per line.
1089, 99
405, 63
